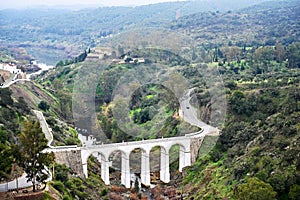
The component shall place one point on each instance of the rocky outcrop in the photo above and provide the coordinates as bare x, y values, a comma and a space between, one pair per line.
195, 146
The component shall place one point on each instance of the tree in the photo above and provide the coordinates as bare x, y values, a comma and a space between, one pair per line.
65, 98
60, 63
294, 192
6, 160
44, 106
255, 189
293, 55
29, 154
280, 52
5, 97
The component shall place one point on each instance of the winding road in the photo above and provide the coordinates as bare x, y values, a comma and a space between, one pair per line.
12, 82
189, 114
45, 127
15, 80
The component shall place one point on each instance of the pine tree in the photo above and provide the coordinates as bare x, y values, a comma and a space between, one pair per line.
29, 153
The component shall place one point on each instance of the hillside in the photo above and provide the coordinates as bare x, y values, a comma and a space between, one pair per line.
257, 25
49, 41
130, 90
260, 139
149, 106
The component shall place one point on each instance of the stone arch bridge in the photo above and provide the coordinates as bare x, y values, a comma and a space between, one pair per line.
77, 157
188, 151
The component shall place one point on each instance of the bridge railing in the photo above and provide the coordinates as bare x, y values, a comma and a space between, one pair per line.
98, 144
61, 148
186, 136
195, 133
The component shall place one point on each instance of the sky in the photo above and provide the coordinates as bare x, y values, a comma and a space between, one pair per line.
4, 4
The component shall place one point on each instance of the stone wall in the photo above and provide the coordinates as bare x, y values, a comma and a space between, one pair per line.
71, 159
195, 146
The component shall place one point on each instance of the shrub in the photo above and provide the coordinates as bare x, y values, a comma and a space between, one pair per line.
103, 192
67, 197
294, 193
255, 189
44, 106
59, 186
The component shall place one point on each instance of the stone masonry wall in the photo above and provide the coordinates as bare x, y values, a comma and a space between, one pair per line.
71, 159
195, 146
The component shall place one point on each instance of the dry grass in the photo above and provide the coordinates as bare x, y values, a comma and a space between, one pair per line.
5, 74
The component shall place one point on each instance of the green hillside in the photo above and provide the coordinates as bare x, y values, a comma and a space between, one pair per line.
54, 34
255, 51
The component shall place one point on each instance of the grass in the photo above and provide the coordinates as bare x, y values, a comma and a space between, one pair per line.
207, 145
73, 132
216, 180
150, 96
153, 88
46, 91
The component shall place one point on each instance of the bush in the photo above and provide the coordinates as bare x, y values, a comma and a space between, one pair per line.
255, 189
67, 197
104, 192
44, 106
294, 193
215, 155
59, 186
61, 173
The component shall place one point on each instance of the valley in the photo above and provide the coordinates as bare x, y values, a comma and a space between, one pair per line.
118, 76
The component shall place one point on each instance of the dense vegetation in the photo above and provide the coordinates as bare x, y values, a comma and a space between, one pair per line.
11, 116
16, 105
260, 139
257, 53
258, 149
254, 26
43, 37
150, 102
69, 185
29, 155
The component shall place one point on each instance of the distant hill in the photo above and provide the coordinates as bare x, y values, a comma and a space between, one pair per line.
264, 24
64, 33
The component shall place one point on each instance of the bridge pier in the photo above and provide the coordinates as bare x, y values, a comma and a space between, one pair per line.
105, 164
184, 158
145, 168
164, 166
125, 170
188, 151
85, 170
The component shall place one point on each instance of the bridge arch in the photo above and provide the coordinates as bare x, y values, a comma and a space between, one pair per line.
119, 159
140, 164
136, 156
155, 154
101, 157
146, 147
184, 154
124, 164
160, 159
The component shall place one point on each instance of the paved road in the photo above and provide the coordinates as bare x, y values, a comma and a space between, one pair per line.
45, 127
22, 183
189, 114
12, 82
